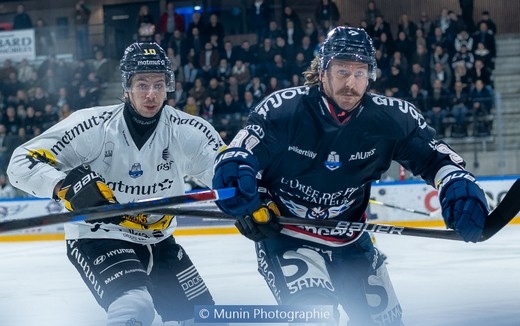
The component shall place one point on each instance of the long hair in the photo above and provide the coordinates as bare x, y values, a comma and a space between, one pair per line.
312, 74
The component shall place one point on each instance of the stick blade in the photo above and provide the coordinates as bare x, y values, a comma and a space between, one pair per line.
506, 210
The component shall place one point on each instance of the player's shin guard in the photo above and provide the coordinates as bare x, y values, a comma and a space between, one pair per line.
134, 307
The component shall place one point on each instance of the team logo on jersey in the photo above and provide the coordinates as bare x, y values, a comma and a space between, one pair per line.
135, 171
41, 156
362, 155
332, 163
316, 213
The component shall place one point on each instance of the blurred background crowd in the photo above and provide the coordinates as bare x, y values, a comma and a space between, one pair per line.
442, 64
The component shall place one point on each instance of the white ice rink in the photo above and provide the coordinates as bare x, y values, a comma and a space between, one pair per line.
439, 282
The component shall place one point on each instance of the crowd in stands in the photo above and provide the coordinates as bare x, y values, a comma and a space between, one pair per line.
443, 65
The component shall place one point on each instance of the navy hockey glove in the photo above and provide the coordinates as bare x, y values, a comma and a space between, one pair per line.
464, 205
236, 167
260, 225
83, 188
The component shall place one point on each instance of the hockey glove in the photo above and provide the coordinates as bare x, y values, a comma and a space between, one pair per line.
236, 167
464, 205
83, 188
260, 225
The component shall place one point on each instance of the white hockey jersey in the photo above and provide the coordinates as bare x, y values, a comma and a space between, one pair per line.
181, 145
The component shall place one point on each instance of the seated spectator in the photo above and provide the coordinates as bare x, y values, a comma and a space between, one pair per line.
256, 88
11, 121
197, 91
485, 36
223, 71
463, 38
101, 67
481, 100
265, 56
233, 88
229, 53
180, 95
207, 108
272, 86
242, 74
292, 32
278, 69
208, 61
273, 31
397, 81
404, 45
215, 90
464, 56
38, 100
480, 71
459, 110
249, 56
442, 74
437, 107
417, 96
64, 111
439, 55
49, 117
81, 100
461, 74
191, 106
397, 59
175, 59
190, 73
486, 17
483, 54
6, 189
213, 27
30, 122
227, 114
25, 70
418, 76
248, 103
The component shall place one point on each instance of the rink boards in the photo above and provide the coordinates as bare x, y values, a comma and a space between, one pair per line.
414, 204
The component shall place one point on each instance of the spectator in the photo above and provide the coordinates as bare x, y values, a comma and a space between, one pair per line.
227, 113
25, 70
180, 95
215, 90
257, 88
439, 55
456, 24
381, 26
30, 122
260, 15
480, 72
191, 106
190, 72
398, 59
464, 56
326, 11
11, 121
214, 27
223, 71
463, 38
233, 88
6, 189
311, 30
38, 100
485, 36
44, 38
397, 81
459, 110
229, 52
385, 44
481, 101
248, 55
176, 61
273, 31
437, 38
7, 69
198, 91
425, 24
372, 12
282, 48
417, 96
169, 21
179, 42
22, 20
81, 19
207, 109
298, 66
272, 86
407, 26
289, 14
196, 21
483, 54
461, 74
248, 103
292, 33
196, 42
81, 99
306, 48
443, 21
419, 77
49, 117
241, 74
442, 75
437, 107
208, 62
404, 45
485, 17
11, 86
145, 25
64, 111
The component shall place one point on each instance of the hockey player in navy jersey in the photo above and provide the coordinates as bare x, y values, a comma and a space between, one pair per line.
312, 152
134, 150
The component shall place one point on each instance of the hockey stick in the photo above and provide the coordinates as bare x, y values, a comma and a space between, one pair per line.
410, 210
506, 210
100, 212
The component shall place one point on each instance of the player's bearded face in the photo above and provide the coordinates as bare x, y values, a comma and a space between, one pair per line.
148, 93
345, 82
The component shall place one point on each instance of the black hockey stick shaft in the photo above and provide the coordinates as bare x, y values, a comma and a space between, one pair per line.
100, 212
506, 210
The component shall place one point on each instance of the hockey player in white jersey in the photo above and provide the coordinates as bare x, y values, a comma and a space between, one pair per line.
126, 152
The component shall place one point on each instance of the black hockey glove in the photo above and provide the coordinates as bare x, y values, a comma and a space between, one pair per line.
464, 205
83, 188
262, 224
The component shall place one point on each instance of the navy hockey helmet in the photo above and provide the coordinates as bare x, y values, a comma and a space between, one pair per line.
348, 43
146, 57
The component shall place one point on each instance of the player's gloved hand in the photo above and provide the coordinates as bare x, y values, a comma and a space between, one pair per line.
261, 224
236, 167
83, 188
464, 205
